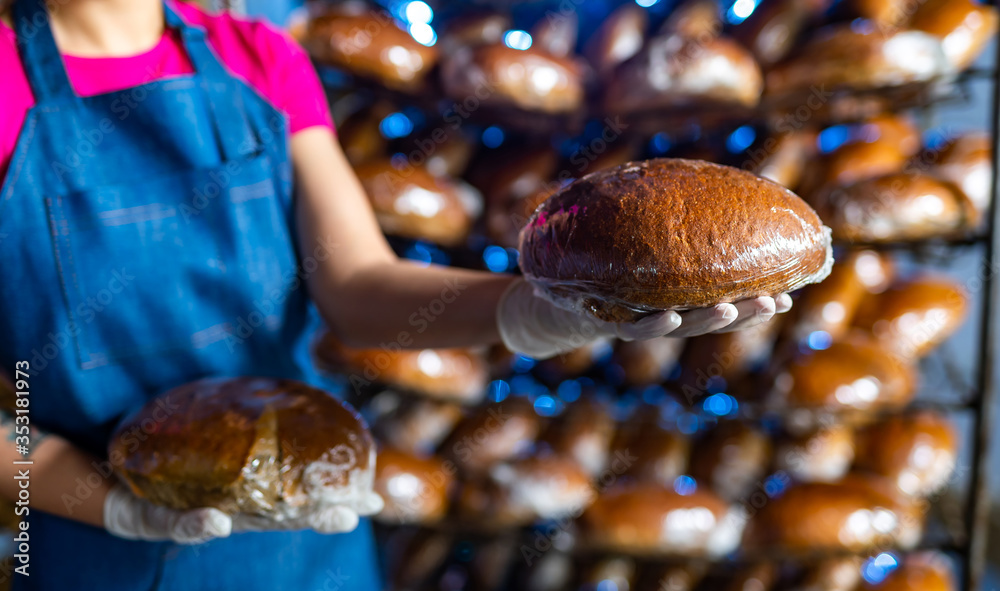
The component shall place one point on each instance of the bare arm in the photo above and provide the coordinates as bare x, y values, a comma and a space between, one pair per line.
365, 293
62, 480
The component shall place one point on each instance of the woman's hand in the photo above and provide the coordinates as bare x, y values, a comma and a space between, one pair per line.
127, 516
533, 326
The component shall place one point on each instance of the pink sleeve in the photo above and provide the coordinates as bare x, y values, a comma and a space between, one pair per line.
294, 85
269, 60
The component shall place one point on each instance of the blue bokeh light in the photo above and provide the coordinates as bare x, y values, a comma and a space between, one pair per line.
547, 406
498, 390
522, 363
832, 138
496, 259
819, 340
646, 3
569, 390
395, 125
688, 423
684, 485
741, 139
493, 136
659, 143
607, 585
775, 485
720, 404
517, 39
876, 569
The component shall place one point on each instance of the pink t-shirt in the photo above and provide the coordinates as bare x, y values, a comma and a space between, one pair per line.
260, 55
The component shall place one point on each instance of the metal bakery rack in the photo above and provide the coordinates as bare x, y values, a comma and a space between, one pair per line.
972, 394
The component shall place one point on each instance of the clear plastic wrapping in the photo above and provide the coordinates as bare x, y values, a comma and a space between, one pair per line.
257, 446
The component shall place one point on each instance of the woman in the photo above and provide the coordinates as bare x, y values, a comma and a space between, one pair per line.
151, 237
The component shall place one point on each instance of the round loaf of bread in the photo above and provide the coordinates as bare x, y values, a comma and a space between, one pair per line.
913, 317
844, 56
413, 203
674, 71
260, 446
531, 79
671, 234
964, 27
916, 452
855, 514
457, 375
391, 56
903, 206
415, 489
651, 520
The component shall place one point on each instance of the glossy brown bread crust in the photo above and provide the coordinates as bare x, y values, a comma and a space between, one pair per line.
391, 56
916, 452
913, 317
414, 203
649, 519
415, 489
671, 234
902, 206
245, 444
854, 514
457, 375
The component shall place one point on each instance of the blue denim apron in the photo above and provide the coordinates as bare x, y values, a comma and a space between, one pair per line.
147, 241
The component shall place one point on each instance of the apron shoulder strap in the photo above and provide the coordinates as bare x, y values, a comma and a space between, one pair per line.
221, 90
40, 57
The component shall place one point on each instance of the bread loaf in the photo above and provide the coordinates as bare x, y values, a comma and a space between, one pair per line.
273, 448
415, 489
899, 207
671, 234
412, 203
844, 56
390, 56
457, 375
651, 520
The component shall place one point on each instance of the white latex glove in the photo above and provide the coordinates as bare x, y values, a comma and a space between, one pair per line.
127, 516
532, 325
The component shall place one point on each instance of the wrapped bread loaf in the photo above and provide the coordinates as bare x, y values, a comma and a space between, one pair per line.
822, 455
259, 446
671, 234
967, 161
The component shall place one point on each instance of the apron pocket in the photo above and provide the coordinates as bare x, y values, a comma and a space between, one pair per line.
171, 264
